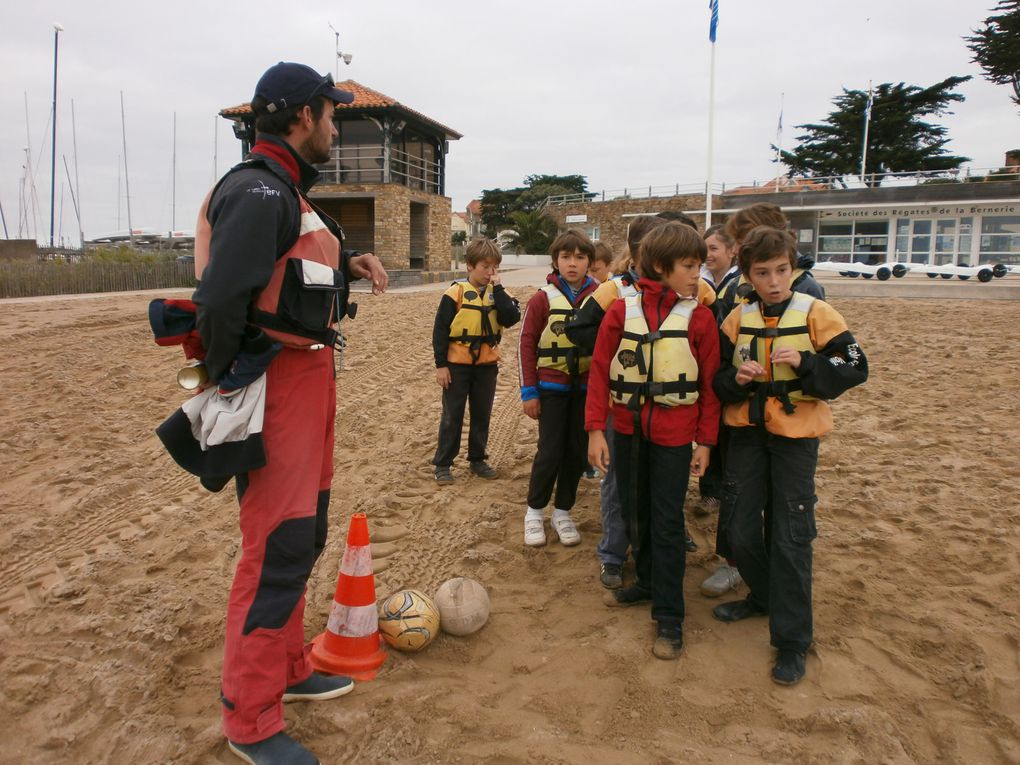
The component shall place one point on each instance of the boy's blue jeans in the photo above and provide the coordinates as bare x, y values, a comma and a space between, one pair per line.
761, 465
612, 548
660, 555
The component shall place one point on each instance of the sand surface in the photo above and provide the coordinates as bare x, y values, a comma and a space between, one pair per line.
115, 566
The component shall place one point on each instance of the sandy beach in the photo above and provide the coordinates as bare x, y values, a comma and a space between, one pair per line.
115, 566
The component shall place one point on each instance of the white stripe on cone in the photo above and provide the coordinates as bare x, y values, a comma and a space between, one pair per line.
357, 561
352, 621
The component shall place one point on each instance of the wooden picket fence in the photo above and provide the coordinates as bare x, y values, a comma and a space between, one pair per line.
57, 278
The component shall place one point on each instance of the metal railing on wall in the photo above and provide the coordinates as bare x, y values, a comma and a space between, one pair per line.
364, 164
798, 184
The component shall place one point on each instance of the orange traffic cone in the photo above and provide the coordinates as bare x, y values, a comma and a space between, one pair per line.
350, 644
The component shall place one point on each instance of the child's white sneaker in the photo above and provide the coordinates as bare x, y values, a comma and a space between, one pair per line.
565, 529
534, 531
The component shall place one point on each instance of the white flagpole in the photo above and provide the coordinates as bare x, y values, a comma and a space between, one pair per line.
779, 139
867, 124
714, 8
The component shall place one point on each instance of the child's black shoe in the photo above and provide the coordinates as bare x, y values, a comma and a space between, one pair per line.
789, 667
736, 610
669, 641
483, 469
627, 596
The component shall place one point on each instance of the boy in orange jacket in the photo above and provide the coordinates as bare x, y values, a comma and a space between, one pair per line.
784, 354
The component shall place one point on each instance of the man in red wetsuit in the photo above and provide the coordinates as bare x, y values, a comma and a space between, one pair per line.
273, 277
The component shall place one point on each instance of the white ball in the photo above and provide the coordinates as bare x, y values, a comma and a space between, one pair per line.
463, 606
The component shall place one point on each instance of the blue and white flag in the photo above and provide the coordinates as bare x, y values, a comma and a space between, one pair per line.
713, 6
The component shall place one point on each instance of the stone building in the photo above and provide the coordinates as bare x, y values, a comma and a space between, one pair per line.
386, 180
608, 221
945, 219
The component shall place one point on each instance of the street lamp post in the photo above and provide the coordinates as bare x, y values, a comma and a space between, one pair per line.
57, 29
346, 57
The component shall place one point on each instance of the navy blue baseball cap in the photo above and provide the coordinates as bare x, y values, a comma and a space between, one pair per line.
288, 84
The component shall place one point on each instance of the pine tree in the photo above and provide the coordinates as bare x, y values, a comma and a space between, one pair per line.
899, 140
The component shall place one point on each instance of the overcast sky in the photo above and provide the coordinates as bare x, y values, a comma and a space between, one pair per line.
614, 91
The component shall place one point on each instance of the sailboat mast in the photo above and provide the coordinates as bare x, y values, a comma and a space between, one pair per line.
127, 182
173, 183
215, 146
77, 186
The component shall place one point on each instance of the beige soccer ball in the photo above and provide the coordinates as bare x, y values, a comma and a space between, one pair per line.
408, 620
463, 606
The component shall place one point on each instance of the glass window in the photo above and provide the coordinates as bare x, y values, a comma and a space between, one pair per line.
863, 227
902, 239
835, 241
1000, 224
871, 241
920, 241
945, 240
966, 228
360, 152
1000, 239
835, 229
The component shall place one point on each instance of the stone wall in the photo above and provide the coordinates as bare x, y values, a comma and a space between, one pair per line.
392, 204
609, 216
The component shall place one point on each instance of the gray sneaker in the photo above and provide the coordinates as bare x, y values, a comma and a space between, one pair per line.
280, 749
725, 578
611, 576
319, 687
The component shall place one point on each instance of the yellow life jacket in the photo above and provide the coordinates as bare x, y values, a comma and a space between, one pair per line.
658, 364
475, 331
756, 342
555, 351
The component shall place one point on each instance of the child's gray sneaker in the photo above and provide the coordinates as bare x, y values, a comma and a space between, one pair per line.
725, 578
611, 576
280, 749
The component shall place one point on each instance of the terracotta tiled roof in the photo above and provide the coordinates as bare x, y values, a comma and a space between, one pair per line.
365, 99
475, 207
779, 185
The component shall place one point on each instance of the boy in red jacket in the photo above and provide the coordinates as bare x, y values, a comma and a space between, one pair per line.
554, 377
656, 355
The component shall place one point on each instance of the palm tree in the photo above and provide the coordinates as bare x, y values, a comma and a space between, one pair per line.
534, 231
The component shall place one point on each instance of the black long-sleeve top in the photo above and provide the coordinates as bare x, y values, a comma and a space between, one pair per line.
255, 219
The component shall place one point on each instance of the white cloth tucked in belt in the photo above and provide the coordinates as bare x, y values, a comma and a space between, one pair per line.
218, 419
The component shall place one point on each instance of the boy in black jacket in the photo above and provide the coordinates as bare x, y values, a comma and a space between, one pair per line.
465, 339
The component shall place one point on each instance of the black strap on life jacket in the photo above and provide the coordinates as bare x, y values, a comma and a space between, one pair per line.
488, 336
650, 388
773, 332
780, 389
571, 353
271, 321
762, 391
